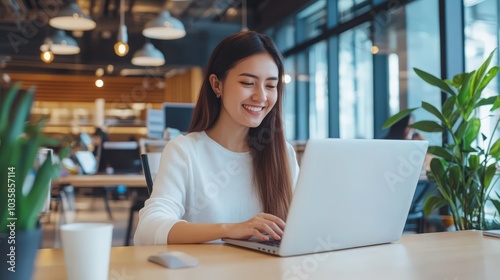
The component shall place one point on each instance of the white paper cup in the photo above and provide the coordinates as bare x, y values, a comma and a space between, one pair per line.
86, 250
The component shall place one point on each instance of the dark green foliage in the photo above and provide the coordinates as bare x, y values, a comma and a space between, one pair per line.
463, 170
20, 141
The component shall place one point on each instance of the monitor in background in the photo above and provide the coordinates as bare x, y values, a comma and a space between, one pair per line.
178, 115
122, 157
155, 123
87, 161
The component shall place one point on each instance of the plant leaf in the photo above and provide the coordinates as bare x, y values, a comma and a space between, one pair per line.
448, 105
460, 131
22, 112
5, 109
33, 204
455, 117
496, 105
397, 117
458, 80
432, 203
465, 94
478, 79
492, 73
455, 178
495, 149
440, 152
433, 80
488, 175
428, 126
433, 110
474, 162
472, 131
437, 170
486, 101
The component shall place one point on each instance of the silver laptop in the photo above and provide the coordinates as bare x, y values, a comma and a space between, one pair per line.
492, 233
349, 193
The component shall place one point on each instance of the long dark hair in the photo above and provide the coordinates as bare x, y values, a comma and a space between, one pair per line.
397, 130
271, 169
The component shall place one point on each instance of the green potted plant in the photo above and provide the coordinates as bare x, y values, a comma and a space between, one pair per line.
23, 192
464, 169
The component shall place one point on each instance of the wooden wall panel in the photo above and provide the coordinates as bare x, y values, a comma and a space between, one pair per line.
184, 87
67, 88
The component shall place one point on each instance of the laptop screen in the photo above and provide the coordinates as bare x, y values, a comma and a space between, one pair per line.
87, 161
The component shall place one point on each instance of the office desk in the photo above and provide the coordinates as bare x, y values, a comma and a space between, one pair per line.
136, 180
450, 255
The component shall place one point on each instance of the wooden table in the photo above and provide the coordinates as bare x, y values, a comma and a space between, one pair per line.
136, 180
450, 255
101, 181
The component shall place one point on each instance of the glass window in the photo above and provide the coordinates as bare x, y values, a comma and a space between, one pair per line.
356, 83
318, 91
481, 38
422, 51
481, 20
350, 8
410, 39
311, 22
289, 99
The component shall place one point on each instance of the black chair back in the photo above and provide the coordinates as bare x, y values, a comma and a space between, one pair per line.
147, 172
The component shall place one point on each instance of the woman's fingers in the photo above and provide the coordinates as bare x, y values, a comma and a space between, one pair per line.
269, 224
274, 219
263, 226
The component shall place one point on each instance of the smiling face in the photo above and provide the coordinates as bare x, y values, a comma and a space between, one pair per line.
249, 91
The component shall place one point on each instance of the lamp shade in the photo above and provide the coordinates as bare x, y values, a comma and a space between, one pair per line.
148, 56
60, 43
71, 17
164, 27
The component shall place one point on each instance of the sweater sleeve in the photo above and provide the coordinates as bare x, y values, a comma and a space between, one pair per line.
165, 207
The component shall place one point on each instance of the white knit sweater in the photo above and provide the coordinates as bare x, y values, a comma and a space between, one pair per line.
200, 181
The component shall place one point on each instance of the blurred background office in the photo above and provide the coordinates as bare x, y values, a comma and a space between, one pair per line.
349, 63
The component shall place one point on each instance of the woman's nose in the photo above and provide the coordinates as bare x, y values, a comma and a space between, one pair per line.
259, 94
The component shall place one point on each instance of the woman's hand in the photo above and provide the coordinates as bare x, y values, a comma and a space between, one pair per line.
257, 226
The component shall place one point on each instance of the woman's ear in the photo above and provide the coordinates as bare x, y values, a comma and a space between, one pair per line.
216, 84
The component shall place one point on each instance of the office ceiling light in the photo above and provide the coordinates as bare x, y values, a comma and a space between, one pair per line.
60, 43
164, 27
99, 72
47, 56
71, 17
121, 46
99, 83
148, 56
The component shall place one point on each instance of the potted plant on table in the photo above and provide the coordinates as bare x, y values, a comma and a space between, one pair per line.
464, 169
23, 190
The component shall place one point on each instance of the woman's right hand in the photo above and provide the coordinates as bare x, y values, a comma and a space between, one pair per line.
258, 226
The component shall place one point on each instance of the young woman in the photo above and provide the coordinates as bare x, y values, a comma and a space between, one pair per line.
232, 175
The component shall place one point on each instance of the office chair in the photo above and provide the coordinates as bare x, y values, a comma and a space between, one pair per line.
150, 161
147, 172
151, 145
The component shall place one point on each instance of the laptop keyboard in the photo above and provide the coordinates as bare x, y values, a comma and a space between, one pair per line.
272, 242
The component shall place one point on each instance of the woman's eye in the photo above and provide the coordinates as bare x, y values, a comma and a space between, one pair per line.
246, 83
271, 86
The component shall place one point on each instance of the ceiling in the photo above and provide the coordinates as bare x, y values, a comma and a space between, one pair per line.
23, 28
